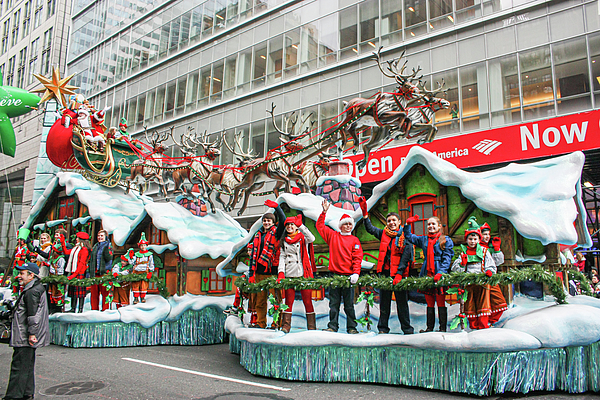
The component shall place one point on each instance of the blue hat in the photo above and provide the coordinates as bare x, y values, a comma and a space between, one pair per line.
33, 267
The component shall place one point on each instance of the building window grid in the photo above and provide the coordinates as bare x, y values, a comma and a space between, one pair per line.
46, 47
50, 8
21, 67
15, 28
11, 71
459, 83
5, 34
33, 54
26, 18
37, 16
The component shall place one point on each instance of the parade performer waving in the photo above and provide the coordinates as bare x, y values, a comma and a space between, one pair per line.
21, 257
438, 251
143, 263
43, 254
395, 255
296, 259
77, 267
345, 258
485, 303
264, 259
495, 242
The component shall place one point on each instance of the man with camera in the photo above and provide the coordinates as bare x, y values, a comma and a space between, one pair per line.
29, 330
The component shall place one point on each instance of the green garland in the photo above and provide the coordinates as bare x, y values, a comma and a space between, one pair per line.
536, 273
109, 280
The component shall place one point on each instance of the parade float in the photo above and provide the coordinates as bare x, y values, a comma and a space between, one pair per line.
200, 249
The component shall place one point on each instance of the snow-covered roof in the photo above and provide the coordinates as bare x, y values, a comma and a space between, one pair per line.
120, 213
540, 199
213, 234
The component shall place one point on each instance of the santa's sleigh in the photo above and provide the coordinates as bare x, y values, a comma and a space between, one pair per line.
106, 165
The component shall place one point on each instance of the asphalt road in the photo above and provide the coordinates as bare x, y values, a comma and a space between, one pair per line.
191, 372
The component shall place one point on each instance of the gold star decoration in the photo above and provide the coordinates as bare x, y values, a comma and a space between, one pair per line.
55, 87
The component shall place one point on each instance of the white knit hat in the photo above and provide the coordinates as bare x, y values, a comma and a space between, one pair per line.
345, 219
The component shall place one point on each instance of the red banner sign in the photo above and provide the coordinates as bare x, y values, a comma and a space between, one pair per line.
549, 137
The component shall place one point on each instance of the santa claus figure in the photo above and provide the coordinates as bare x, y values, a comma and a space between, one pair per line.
88, 120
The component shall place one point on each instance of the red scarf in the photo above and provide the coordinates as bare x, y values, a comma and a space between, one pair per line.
307, 260
432, 240
471, 251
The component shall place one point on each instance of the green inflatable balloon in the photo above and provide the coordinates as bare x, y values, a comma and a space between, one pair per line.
13, 103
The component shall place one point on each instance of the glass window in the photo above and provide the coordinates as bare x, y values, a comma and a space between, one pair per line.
205, 79
415, 14
217, 81
220, 14
348, 32
275, 60
196, 24
244, 71
141, 109
258, 138
369, 24
467, 10
532, 33
571, 75
229, 82
131, 112
149, 109
504, 91
310, 46
163, 45
391, 22
448, 80
536, 75
159, 104
594, 49
232, 12
473, 82
208, 17
180, 98
260, 64
329, 40
292, 44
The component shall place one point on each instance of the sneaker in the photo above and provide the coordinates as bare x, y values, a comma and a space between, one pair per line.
136, 300
143, 300
352, 331
329, 330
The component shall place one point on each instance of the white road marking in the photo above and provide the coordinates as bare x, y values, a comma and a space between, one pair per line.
224, 378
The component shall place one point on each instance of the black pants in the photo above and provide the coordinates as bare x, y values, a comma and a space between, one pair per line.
22, 380
385, 302
335, 299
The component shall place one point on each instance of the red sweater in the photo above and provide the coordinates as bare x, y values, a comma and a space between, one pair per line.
345, 251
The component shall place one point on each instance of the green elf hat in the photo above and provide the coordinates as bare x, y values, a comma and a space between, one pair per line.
123, 124
143, 239
473, 228
23, 233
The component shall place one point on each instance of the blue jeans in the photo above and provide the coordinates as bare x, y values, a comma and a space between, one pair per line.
335, 299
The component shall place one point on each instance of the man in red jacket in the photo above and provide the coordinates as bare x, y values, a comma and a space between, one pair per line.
345, 258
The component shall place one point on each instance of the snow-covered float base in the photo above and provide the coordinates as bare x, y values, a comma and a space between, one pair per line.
536, 346
571, 369
178, 320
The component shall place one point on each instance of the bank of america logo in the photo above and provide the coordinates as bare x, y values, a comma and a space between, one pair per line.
486, 146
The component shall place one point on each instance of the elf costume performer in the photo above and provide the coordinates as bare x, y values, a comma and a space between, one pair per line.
57, 267
121, 294
143, 264
438, 252
77, 267
22, 256
395, 256
296, 259
100, 264
492, 244
345, 258
264, 259
485, 303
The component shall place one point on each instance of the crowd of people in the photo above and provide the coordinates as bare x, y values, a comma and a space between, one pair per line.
80, 260
282, 247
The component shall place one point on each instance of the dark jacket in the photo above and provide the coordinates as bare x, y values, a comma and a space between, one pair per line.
389, 253
30, 317
105, 260
442, 258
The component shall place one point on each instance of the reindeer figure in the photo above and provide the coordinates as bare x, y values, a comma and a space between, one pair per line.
150, 169
272, 167
181, 176
422, 117
229, 176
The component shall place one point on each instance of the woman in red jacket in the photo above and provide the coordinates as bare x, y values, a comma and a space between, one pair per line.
76, 268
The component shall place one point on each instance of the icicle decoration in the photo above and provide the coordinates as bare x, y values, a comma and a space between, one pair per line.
193, 328
571, 369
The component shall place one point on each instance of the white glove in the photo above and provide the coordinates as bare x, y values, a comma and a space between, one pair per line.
67, 121
353, 278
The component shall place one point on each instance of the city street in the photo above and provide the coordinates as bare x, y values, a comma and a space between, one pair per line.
194, 372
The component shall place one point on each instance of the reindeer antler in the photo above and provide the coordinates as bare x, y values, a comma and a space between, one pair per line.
238, 142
